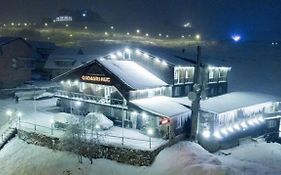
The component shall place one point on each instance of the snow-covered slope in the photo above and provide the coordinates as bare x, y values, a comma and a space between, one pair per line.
183, 158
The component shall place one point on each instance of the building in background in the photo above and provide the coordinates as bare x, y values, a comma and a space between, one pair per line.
42, 50
16, 61
65, 59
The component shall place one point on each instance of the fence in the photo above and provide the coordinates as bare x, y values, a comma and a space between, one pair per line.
99, 136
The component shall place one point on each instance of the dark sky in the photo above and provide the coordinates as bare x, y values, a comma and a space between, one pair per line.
254, 19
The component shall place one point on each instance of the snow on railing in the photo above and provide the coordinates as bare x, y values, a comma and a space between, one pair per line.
105, 138
91, 98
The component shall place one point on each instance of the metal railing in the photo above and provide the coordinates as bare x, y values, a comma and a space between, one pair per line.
100, 137
91, 99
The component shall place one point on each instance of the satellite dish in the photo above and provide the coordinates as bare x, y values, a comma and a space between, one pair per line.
192, 96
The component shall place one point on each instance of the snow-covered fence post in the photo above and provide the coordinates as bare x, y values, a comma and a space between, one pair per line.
52, 126
19, 123
2, 136
35, 127
150, 133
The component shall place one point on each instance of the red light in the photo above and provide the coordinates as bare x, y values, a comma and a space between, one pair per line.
164, 121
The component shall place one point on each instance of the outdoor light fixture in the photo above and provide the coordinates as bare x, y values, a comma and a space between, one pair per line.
146, 34
244, 125
206, 134
9, 112
128, 33
261, 119
119, 54
160, 34
167, 36
230, 129
164, 63
146, 55
224, 131
138, 30
127, 50
112, 56
164, 121
197, 36
250, 122
76, 82
157, 60
144, 115
236, 38
217, 135
19, 114
105, 33
78, 103
62, 82
256, 121
69, 82
150, 131
97, 126
138, 52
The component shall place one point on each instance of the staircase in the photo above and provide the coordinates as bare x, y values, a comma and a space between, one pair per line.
7, 134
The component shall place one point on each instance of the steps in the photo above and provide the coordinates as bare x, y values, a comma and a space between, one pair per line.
7, 135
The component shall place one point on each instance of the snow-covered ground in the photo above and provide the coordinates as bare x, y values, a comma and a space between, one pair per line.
42, 112
20, 158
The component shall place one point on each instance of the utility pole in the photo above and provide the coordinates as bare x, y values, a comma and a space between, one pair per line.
194, 96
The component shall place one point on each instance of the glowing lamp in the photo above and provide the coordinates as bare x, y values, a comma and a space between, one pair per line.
206, 134
236, 38
217, 135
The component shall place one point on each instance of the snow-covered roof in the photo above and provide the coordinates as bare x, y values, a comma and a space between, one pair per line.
230, 101
74, 60
161, 105
133, 74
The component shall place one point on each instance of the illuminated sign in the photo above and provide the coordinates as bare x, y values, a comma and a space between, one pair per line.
94, 78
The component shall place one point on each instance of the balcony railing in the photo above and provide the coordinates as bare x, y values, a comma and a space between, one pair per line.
183, 80
113, 102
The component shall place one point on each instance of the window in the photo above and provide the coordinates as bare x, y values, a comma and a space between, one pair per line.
211, 75
271, 124
177, 91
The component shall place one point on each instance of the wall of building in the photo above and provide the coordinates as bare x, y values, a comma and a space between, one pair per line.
12, 71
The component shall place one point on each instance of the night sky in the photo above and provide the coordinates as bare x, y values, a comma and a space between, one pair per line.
253, 19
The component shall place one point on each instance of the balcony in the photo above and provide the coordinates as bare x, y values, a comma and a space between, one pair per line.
183, 80
105, 101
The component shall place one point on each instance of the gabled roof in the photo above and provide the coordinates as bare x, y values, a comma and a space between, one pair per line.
42, 45
77, 60
7, 40
230, 101
134, 75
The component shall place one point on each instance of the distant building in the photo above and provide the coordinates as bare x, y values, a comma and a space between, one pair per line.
42, 50
16, 61
86, 15
65, 59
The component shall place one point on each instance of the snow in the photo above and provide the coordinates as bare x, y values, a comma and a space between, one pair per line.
180, 159
42, 112
230, 101
133, 74
161, 105
99, 119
